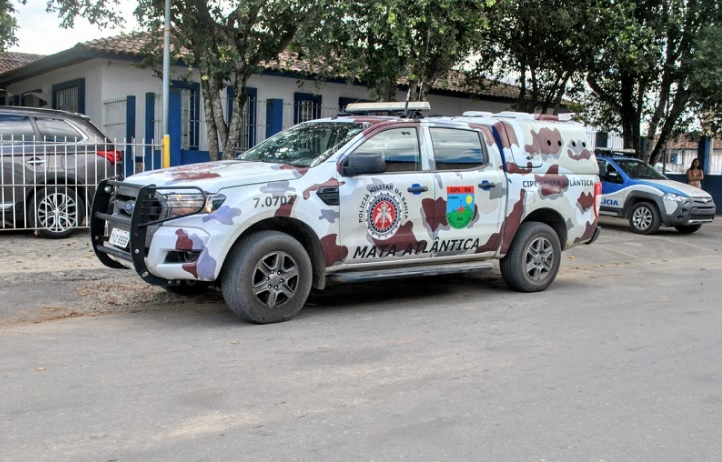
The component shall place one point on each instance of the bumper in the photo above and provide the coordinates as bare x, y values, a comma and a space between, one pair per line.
691, 215
134, 209
597, 232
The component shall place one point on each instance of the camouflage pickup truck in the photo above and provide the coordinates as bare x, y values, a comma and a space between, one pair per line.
378, 192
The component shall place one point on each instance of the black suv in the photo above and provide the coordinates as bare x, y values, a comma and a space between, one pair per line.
51, 163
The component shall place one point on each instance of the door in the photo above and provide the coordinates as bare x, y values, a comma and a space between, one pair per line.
22, 164
471, 190
613, 189
382, 214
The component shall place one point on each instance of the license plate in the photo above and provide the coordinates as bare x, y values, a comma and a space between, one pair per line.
120, 237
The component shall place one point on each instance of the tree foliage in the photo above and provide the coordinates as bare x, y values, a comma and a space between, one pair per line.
541, 45
660, 69
652, 64
8, 25
227, 41
384, 42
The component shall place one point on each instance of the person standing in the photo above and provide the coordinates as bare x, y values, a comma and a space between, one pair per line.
695, 175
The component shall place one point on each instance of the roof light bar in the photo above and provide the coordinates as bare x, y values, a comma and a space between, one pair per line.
393, 106
618, 151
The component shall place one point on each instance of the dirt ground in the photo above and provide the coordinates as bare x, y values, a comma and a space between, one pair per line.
22, 252
43, 279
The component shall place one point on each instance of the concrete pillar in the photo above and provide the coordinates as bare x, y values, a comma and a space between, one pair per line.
704, 152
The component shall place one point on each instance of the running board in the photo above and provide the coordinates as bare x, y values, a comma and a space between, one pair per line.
398, 273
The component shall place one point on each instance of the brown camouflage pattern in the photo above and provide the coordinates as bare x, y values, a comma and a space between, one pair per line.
538, 165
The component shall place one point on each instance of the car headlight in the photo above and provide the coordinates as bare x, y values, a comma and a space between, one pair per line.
676, 198
182, 204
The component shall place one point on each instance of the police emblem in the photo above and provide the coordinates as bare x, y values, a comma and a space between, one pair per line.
459, 206
383, 214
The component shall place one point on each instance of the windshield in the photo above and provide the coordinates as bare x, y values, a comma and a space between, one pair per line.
639, 170
305, 145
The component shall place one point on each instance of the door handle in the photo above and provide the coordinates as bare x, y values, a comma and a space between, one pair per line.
36, 161
485, 185
417, 189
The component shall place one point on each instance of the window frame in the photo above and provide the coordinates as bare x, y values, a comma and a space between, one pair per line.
435, 164
299, 99
79, 85
419, 164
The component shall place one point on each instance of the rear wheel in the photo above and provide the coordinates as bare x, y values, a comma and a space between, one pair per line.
687, 229
56, 211
533, 259
267, 277
644, 218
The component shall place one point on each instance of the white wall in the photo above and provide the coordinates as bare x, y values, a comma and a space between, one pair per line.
108, 80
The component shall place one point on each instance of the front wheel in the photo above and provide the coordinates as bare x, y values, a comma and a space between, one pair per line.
267, 277
644, 218
533, 259
687, 229
56, 211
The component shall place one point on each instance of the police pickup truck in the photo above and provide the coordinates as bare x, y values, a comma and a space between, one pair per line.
380, 191
632, 189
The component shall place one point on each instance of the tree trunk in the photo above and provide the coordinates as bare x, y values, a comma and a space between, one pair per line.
233, 144
211, 129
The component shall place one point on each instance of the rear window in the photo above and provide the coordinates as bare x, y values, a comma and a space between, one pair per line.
16, 128
58, 131
456, 149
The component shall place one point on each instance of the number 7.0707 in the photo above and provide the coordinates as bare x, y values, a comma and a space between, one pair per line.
272, 201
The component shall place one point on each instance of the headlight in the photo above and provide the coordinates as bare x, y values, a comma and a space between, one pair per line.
676, 198
181, 204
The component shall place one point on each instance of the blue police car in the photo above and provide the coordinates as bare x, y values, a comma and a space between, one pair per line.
632, 189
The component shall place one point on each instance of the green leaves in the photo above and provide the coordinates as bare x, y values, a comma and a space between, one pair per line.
381, 43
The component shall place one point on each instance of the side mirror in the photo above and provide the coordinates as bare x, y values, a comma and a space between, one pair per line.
363, 163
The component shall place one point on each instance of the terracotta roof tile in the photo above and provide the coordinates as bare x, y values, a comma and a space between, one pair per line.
131, 44
10, 60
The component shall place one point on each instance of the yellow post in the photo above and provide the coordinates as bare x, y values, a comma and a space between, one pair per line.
166, 151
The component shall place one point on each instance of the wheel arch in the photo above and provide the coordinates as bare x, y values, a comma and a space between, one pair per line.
637, 197
553, 219
69, 182
302, 233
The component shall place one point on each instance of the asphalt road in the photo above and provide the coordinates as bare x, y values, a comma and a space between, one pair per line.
618, 361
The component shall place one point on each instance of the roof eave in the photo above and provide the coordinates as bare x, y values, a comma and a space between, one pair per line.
74, 55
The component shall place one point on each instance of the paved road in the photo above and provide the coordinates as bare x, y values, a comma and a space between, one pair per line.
618, 361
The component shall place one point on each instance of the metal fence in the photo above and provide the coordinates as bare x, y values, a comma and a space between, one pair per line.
254, 127
52, 182
49, 186
115, 118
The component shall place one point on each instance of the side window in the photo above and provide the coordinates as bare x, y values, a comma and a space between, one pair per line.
456, 149
399, 148
58, 131
607, 172
16, 128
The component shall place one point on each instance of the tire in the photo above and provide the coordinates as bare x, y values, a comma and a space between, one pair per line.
644, 218
267, 277
189, 288
533, 259
687, 229
56, 211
